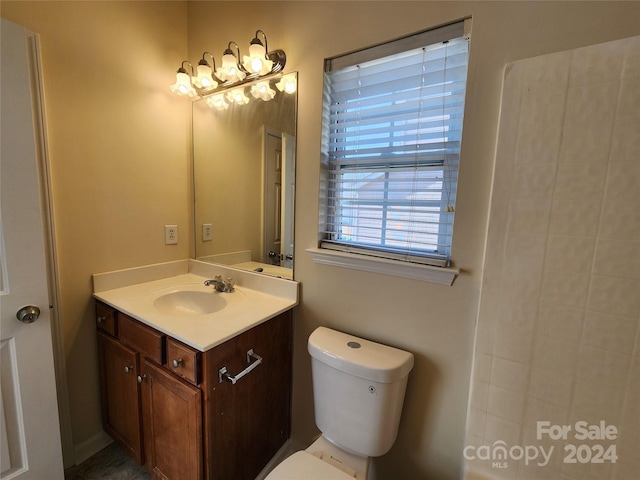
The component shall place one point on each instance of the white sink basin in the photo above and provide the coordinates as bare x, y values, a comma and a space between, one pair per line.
190, 300
187, 303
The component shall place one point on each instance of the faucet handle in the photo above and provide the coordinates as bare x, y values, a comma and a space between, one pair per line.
224, 285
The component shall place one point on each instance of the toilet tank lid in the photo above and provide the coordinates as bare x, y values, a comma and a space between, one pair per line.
357, 356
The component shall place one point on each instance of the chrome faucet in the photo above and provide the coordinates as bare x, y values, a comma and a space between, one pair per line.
220, 284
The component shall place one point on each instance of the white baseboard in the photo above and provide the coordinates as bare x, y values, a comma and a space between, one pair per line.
90, 447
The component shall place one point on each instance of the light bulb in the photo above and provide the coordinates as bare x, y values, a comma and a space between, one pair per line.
256, 64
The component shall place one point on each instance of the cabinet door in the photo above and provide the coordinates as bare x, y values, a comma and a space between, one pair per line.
120, 394
172, 419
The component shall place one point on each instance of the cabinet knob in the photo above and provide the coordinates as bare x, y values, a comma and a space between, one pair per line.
101, 319
141, 378
128, 369
177, 362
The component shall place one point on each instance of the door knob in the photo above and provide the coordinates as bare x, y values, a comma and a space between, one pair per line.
28, 314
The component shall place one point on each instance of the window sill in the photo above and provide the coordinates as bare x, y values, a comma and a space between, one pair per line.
414, 271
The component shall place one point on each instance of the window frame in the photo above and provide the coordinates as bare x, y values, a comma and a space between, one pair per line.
430, 267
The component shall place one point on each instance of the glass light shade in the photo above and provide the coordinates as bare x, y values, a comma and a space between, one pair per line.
287, 84
257, 62
217, 101
204, 78
229, 71
263, 91
183, 85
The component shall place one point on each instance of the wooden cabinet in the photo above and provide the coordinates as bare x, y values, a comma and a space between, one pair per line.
170, 408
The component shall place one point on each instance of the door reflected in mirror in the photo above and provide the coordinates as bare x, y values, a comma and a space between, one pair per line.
244, 181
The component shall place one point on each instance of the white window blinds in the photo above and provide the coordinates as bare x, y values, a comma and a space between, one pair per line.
393, 127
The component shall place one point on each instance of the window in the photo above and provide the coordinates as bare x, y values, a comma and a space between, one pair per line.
392, 133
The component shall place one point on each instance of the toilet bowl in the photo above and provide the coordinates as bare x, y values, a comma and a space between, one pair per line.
358, 390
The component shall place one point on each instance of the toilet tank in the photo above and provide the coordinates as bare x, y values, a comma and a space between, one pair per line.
358, 389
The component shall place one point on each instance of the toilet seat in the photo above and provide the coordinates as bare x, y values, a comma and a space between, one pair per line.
304, 465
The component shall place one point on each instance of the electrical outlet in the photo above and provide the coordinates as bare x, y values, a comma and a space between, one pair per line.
170, 234
207, 232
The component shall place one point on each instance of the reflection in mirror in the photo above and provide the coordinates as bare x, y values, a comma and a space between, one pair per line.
244, 181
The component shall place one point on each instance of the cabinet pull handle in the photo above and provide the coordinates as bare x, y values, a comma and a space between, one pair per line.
128, 368
223, 374
101, 319
142, 378
177, 362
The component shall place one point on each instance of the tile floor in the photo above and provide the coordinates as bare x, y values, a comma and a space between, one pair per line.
111, 463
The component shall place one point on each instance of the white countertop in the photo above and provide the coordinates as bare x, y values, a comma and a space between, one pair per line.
256, 299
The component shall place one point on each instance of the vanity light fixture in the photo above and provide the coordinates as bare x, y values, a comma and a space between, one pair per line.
258, 65
183, 84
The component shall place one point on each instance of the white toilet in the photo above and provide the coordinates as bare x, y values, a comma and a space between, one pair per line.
358, 389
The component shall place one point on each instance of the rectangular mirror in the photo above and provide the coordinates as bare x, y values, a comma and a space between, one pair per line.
244, 182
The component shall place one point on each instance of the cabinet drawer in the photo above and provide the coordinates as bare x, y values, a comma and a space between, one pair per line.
146, 340
183, 360
106, 319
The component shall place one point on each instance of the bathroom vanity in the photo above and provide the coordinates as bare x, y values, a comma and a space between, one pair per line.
196, 390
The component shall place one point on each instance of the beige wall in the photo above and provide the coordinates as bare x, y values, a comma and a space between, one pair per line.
119, 153
120, 161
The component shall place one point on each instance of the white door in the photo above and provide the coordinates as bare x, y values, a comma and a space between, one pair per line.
272, 198
30, 432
